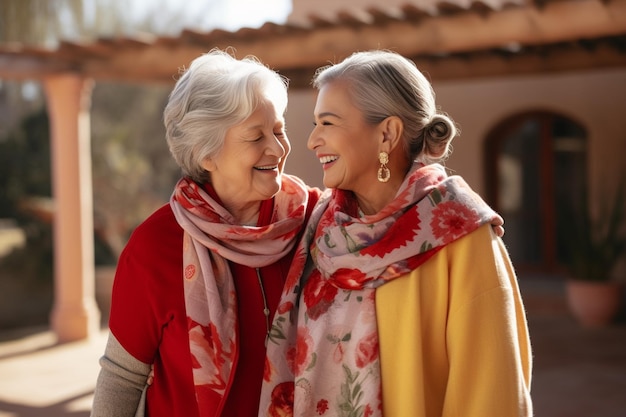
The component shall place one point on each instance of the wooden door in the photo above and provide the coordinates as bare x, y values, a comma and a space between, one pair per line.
536, 164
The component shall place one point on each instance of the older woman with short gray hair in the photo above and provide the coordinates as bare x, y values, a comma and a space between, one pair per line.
200, 279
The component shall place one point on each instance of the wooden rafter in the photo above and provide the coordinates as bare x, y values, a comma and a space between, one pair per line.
479, 41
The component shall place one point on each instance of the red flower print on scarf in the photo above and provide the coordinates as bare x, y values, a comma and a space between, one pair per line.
300, 356
318, 295
211, 352
298, 262
267, 370
399, 234
188, 195
322, 407
367, 350
348, 278
190, 271
284, 307
282, 400
284, 317
452, 220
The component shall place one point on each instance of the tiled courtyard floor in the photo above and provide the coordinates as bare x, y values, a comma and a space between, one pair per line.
577, 372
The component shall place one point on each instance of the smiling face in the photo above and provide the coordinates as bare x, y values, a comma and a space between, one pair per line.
249, 167
345, 144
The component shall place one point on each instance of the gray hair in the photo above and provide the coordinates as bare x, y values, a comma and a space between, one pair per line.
215, 93
384, 83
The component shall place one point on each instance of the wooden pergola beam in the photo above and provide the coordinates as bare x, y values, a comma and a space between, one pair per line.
437, 36
289, 49
551, 60
24, 67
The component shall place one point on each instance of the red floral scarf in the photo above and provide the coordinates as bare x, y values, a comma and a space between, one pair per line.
211, 239
323, 356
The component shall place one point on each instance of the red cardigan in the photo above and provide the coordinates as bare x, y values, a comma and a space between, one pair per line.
148, 316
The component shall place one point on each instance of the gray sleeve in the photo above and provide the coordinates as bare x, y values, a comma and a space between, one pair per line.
121, 383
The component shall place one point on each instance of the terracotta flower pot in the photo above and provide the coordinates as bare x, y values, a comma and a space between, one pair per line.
593, 304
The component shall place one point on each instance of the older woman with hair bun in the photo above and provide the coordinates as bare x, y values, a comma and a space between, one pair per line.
200, 279
409, 306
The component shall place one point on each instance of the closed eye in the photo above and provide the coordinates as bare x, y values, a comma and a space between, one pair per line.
323, 123
278, 134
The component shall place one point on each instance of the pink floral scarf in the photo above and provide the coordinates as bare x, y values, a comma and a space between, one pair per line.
211, 239
323, 356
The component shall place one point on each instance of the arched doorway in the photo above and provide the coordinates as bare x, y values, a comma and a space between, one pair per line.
536, 165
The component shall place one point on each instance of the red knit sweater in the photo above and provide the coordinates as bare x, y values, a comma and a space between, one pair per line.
148, 317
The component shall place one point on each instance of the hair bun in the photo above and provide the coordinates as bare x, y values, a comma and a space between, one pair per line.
439, 128
438, 134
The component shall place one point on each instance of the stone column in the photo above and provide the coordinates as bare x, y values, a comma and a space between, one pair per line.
75, 314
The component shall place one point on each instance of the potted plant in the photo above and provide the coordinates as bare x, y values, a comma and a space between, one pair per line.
595, 247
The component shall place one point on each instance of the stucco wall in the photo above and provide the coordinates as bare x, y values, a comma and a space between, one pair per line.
299, 122
597, 100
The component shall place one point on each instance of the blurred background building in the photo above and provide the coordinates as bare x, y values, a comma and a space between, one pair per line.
538, 89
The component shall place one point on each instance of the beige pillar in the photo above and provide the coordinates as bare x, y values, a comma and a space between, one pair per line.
75, 315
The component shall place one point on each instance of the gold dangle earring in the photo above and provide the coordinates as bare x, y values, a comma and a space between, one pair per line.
383, 171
